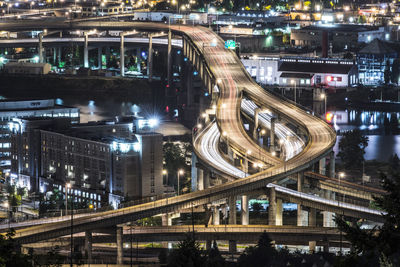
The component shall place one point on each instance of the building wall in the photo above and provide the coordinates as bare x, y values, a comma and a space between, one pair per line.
264, 71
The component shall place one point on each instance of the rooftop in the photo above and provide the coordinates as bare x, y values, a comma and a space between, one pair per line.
301, 67
377, 47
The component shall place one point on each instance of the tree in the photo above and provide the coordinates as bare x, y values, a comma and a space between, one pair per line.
188, 254
380, 243
352, 148
174, 158
387, 73
214, 258
395, 71
256, 207
260, 255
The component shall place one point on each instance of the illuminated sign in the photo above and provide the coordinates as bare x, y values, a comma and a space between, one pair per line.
230, 44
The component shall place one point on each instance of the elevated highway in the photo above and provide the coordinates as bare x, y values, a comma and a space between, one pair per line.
225, 77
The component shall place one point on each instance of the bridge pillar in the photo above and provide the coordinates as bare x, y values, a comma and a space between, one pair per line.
272, 135
54, 55
332, 165
279, 212
150, 59
322, 167
206, 181
312, 245
232, 246
312, 219
300, 212
122, 55
99, 57
232, 210
86, 51
245, 210
256, 112
169, 57
166, 219
41, 50
120, 249
327, 215
216, 217
200, 179
88, 246
272, 206
59, 55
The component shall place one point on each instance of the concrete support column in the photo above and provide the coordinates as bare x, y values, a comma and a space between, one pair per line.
122, 56
332, 165
216, 216
206, 175
232, 210
120, 249
245, 210
88, 246
327, 215
166, 220
279, 212
272, 206
312, 245
169, 58
232, 246
312, 218
272, 135
150, 59
300, 217
99, 57
41, 52
86, 51
322, 166
59, 55
200, 179
256, 112
54, 55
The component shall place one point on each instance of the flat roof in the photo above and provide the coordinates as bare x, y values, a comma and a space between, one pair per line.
301, 67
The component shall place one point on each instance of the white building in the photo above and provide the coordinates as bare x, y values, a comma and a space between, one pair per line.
27, 68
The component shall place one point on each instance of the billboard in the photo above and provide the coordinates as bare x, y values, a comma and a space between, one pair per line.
230, 44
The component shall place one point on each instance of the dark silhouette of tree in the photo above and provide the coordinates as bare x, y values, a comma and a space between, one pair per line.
256, 207
352, 148
259, 256
188, 254
394, 162
395, 71
380, 243
214, 258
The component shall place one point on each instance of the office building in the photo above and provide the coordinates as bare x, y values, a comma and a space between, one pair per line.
103, 161
42, 108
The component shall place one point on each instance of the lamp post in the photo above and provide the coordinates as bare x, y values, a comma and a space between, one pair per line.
180, 172
341, 176
323, 96
68, 185
165, 176
295, 93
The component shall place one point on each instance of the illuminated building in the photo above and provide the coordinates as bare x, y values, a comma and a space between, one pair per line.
103, 161
43, 108
372, 61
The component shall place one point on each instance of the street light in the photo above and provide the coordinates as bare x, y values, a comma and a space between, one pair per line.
8, 214
294, 82
180, 172
341, 176
165, 173
67, 186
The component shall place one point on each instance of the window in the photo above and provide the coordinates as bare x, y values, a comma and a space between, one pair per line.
302, 81
284, 80
308, 81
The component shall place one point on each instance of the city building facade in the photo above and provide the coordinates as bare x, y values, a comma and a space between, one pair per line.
103, 162
11, 109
